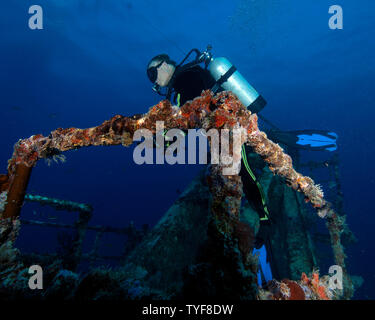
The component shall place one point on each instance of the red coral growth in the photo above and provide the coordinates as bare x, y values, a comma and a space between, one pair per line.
284, 290
305, 279
295, 290
220, 120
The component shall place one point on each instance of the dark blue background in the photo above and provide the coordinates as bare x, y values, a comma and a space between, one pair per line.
88, 64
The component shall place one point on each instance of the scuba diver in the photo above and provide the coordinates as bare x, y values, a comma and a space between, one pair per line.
182, 82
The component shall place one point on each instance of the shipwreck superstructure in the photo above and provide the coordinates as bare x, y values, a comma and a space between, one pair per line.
205, 239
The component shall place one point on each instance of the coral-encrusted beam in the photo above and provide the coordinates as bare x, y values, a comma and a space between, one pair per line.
207, 111
221, 111
281, 164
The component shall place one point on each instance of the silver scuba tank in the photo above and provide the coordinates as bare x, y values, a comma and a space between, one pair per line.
227, 76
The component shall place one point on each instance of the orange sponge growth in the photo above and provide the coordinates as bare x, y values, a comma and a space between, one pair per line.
316, 285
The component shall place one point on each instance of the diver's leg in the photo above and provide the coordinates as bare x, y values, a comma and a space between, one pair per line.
251, 192
256, 198
252, 188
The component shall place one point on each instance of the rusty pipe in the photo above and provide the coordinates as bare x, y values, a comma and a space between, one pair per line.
17, 191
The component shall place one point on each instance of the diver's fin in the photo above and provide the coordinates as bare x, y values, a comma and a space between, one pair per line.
264, 273
318, 140
332, 148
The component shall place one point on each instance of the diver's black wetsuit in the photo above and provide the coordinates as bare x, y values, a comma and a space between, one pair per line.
189, 84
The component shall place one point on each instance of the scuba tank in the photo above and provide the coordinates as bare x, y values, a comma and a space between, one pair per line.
229, 78
226, 77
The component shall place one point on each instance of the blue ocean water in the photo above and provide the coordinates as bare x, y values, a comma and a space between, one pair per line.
88, 64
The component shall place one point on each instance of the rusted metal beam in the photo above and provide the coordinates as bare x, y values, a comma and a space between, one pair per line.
17, 191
